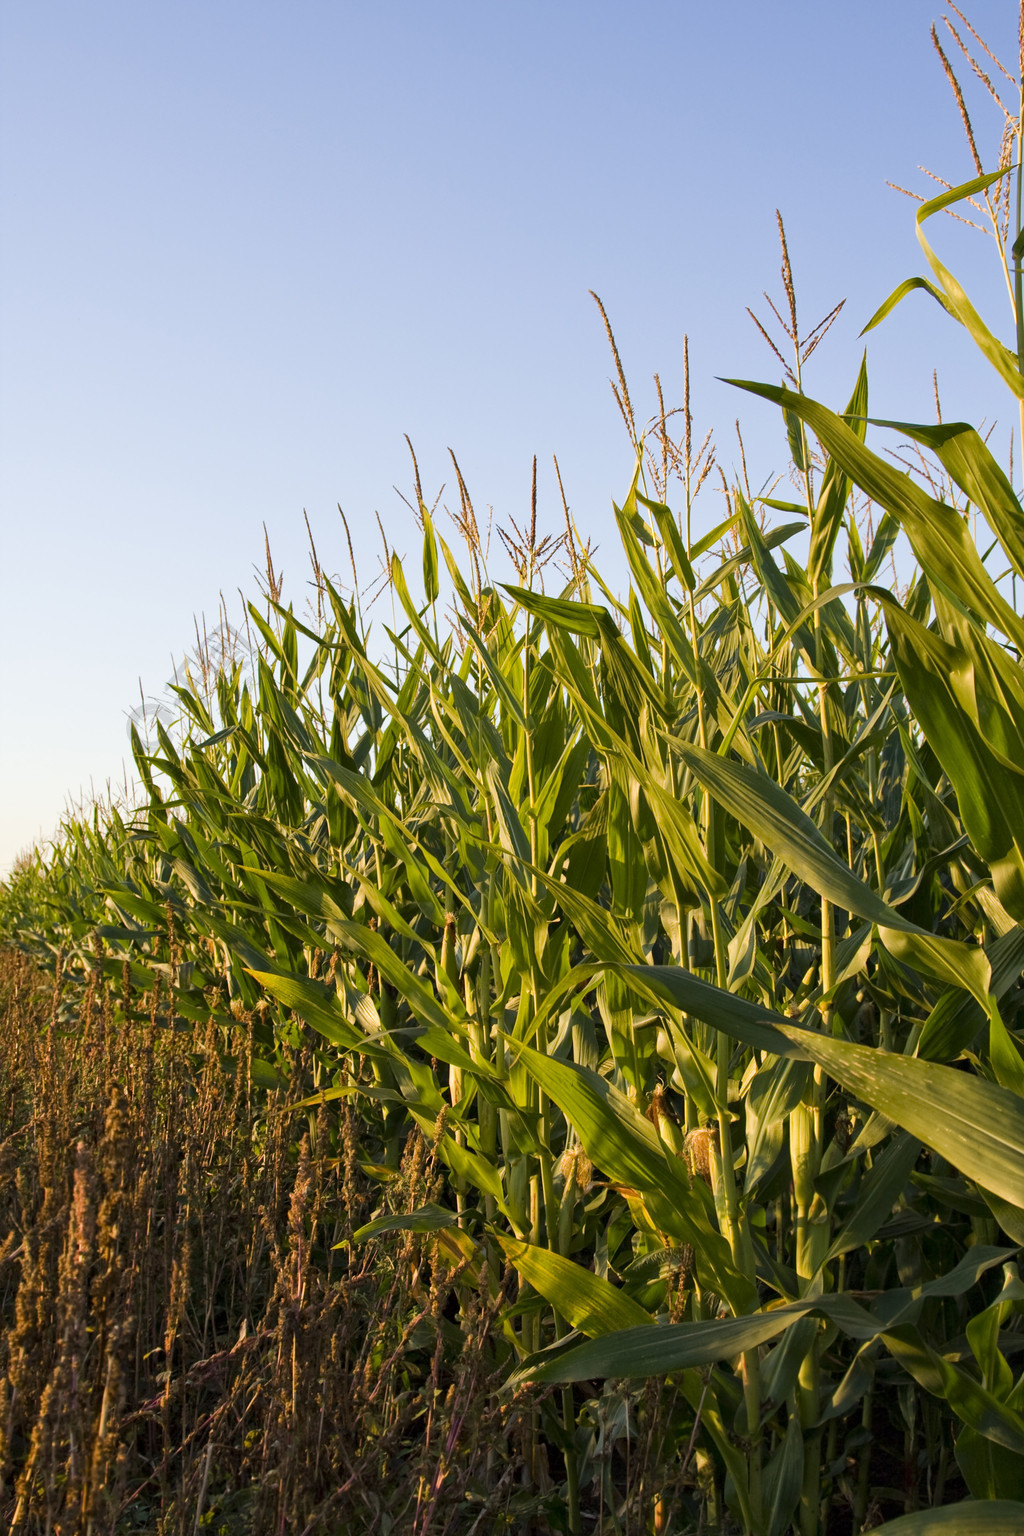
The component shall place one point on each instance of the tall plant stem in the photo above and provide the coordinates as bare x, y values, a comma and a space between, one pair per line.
548, 1198
736, 1233
807, 1131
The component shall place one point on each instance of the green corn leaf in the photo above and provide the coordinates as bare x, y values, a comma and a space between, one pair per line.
378, 951
797, 443
756, 1027
759, 803
977, 1126
885, 537
878, 1192
939, 679
575, 618
696, 1071
1006, 1060
709, 540
773, 816
969, 1400
774, 1092
425, 898
981, 1517
948, 960
938, 534
428, 1218
674, 819
360, 794
651, 589
593, 1305
909, 285
458, 581
431, 585
601, 931
744, 556
963, 452
672, 539
989, 685
127, 902
784, 1477
949, 293
315, 1003
496, 676
439, 1042
640, 1352
471, 1166
1002, 359
422, 633
265, 1075
510, 829
311, 896
560, 787
781, 592
989, 1470
957, 1017
627, 1148
835, 490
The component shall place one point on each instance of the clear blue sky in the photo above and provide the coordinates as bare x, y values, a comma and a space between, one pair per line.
245, 247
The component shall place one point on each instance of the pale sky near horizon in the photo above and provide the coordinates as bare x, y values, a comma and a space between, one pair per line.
244, 248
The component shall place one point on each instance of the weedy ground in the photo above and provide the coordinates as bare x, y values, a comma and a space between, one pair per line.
190, 1341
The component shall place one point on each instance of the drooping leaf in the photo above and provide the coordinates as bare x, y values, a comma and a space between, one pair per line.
426, 1218
593, 1305
755, 800
626, 1147
976, 1125
938, 534
981, 1517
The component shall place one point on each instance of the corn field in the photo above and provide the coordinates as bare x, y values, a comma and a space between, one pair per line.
556, 1066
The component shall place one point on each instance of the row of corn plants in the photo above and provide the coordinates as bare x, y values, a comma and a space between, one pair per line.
681, 916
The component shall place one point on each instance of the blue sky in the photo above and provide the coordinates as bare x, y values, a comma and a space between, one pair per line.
246, 247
